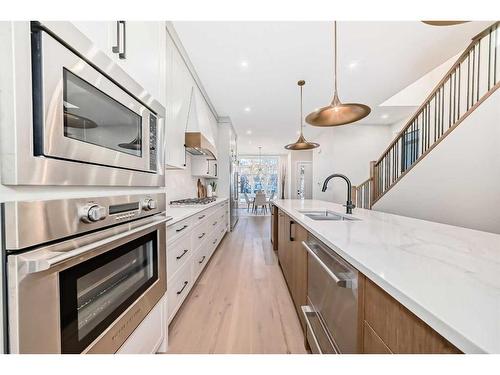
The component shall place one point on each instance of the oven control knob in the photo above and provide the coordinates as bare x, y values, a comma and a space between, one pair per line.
91, 213
148, 204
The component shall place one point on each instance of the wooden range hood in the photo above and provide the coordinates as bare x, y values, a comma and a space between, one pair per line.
197, 144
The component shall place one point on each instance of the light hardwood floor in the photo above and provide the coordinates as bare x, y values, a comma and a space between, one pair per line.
240, 303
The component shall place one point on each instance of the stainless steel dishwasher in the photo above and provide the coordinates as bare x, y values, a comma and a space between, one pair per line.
332, 296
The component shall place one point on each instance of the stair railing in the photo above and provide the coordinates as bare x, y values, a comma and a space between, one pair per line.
473, 77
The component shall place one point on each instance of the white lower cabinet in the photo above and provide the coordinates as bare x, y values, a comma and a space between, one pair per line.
190, 244
178, 254
200, 259
149, 335
178, 288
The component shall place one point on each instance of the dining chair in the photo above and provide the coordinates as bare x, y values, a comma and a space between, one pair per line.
271, 197
260, 200
248, 201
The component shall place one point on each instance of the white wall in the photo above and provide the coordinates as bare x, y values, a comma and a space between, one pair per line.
415, 93
347, 150
458, 183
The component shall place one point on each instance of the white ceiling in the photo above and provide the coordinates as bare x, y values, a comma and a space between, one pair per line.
377, 59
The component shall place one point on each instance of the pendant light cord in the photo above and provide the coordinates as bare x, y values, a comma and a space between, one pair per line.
335, 55
301, 122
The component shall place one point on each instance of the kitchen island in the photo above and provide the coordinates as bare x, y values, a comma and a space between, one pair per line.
449, 277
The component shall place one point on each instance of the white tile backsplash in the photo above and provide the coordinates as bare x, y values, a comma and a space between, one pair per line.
181, 184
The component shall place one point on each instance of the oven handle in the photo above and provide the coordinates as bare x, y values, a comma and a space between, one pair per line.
50, 260
343, 283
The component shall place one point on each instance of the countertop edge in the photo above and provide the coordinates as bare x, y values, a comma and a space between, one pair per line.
441, 327
192, 210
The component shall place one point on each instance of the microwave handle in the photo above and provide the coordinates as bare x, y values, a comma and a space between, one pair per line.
343, 283
51, 259
118, 48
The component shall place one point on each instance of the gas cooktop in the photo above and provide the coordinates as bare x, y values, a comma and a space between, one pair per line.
193, 201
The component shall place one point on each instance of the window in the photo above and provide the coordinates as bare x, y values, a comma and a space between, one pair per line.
409, 149
258, 174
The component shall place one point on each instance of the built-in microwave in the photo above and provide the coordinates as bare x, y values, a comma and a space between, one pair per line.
91, 123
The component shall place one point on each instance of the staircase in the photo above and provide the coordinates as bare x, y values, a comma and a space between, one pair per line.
468, 83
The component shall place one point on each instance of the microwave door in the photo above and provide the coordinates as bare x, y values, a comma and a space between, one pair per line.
86, 117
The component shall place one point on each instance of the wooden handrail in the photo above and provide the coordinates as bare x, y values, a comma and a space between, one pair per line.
462, 89
461, 59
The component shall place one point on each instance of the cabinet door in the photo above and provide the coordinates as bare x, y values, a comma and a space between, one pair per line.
99, 32
281, 240
179, 96
145, 44
298, 260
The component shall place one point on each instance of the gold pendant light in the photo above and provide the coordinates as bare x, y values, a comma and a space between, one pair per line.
337, 113
301, 143
444, 23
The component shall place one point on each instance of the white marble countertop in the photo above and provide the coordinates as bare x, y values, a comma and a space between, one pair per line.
179, 213
448, 276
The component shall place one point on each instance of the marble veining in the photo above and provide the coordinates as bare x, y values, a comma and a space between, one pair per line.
448, 276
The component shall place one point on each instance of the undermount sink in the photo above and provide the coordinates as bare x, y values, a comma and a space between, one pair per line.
327, 215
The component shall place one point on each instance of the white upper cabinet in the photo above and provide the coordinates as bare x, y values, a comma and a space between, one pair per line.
179, 91
99, 32
137, 46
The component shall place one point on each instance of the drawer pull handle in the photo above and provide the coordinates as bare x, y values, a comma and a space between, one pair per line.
213, 243
214, 224
201, 217
202, 235
183, 253
181, 229
202, 259
185, 285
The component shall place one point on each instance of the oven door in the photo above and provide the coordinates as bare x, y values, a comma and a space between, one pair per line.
86, 295
82, 115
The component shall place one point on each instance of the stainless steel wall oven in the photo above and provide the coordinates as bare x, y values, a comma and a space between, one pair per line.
82, 279
90, 123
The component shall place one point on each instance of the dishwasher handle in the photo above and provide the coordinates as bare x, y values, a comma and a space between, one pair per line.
343, 283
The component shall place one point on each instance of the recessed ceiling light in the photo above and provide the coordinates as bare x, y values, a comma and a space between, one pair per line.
247, 109
249, 132
244, 64
353, 64
384, 116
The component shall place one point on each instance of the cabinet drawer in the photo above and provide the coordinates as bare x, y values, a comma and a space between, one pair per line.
179, 288
200, 260
400, 329
176, 230
200, 217
148, 336
178, 254
381, 313
372, 343
213, 222
199, 234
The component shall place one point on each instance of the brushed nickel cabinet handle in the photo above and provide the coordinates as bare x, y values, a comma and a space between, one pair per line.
201, 217
202, 235
202, 259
